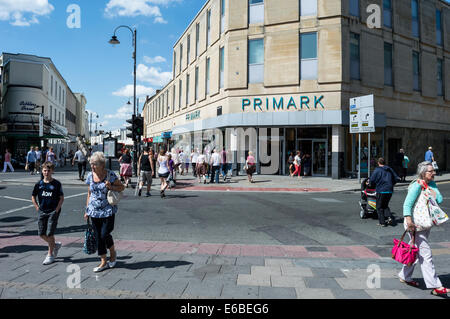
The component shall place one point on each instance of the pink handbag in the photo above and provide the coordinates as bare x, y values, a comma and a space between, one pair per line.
404, 253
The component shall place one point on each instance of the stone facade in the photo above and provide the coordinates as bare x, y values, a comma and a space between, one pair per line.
407, 112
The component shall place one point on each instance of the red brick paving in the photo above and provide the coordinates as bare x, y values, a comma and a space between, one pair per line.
251, 189
354, 252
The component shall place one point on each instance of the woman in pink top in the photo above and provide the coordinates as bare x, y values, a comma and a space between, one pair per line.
251, 166
7, 162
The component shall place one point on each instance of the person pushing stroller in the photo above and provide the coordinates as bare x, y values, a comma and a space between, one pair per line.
384, 178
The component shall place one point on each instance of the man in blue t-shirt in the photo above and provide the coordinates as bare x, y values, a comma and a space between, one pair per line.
31, 160
429, 156
48, 198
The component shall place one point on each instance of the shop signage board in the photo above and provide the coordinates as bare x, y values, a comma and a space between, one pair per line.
362, 120
362, 116
166, 135
193, 116
41, 125
109, 147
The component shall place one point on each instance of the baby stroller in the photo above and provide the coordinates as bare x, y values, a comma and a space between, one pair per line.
368, 201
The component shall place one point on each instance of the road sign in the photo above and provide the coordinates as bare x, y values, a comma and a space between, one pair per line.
362, 116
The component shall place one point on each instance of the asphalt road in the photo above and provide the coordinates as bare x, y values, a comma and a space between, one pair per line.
311, 219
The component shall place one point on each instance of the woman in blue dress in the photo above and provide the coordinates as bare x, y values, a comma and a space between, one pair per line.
102, 214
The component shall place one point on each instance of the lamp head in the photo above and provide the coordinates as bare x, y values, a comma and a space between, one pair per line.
114, 40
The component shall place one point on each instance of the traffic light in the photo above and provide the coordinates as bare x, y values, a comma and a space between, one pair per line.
138, 126
131, 128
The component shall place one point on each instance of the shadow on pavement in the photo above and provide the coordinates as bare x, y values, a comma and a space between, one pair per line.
180, 196
3, 256
59, 231
153, 264
94, 258
23, 249
13, 219
255, 181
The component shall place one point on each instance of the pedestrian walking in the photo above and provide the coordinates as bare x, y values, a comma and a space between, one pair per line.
290, 163
145, 171
405, 165
153, 156
186, 162
298, 165
384, 178
426, 173
7, 162
223, 164
208, 159
37, 167
307, 162
81, 162
215, 166
194, 156
163, 171
201, 168
47, 198
63, 157
182, 160
170, 179
31, 160
398, 163
125, 167
429, 156
50, 156
176, 161
250, 165
101, 212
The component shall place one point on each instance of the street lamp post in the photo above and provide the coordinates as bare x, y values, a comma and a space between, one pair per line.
115, 41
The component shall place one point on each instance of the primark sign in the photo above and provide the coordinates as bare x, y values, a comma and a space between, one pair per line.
298, 103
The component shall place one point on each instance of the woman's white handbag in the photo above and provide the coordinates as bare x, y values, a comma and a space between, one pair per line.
114, 197
421, 213
438, 216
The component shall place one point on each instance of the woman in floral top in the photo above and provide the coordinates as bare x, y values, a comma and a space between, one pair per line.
100, 181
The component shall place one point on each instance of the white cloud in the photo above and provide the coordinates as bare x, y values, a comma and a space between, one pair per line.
123, 113
133, 8
24, 12
156, 59
128, 91
153, 75
160, 20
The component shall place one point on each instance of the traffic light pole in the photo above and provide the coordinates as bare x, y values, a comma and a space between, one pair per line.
135, 155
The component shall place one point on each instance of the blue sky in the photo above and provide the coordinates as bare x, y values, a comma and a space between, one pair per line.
83, 55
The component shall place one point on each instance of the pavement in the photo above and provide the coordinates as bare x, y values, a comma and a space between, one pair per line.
263, 183
171, 270
197, 270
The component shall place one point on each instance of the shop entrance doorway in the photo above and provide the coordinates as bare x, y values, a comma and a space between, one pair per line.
316, 159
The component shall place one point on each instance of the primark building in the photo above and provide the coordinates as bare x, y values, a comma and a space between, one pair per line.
274, 77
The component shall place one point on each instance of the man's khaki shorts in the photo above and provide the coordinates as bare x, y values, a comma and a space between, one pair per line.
146, 176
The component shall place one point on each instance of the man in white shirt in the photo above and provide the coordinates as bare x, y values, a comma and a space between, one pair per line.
215, 163
201, 168
82, 162
194, 156
182, 162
